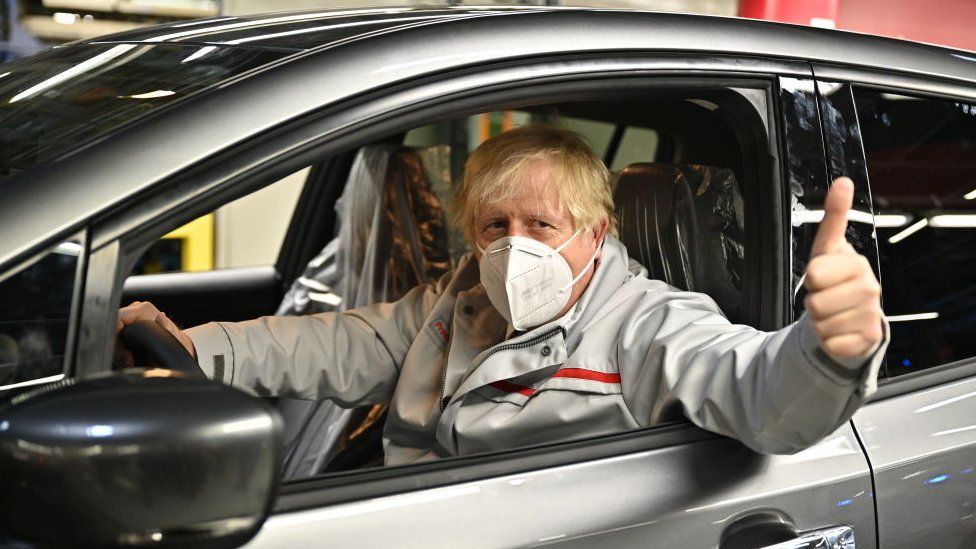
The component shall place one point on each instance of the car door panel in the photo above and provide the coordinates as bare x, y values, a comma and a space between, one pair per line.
922, 447
678, 496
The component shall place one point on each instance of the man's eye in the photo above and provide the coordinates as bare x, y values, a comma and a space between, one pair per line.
541, 224
494, 225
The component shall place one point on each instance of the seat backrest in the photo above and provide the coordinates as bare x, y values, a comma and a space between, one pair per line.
685, 223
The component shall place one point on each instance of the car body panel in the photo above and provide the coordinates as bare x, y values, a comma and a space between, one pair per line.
683, 496
922, 447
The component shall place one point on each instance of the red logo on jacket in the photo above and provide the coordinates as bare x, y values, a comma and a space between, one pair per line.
441, 329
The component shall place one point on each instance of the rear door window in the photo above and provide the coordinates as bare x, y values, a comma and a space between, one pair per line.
921, 162
35, 311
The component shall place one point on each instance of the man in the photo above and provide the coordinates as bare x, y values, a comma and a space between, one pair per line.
548, 332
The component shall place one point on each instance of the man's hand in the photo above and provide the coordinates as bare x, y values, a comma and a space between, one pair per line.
143, 310
843, 298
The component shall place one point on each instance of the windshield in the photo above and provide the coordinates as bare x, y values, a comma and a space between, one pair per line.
53, 103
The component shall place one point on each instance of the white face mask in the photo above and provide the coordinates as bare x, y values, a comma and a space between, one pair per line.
526, 280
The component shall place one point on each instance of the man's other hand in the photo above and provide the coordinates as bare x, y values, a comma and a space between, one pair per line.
143, 310
844, 297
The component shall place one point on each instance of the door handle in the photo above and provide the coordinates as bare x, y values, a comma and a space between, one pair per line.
838, 537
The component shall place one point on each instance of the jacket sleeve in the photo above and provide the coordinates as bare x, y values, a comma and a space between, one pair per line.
777, 392
352, 357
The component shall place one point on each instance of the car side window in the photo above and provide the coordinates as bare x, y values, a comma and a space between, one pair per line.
381, 250
922, 170
34, 319
244, 233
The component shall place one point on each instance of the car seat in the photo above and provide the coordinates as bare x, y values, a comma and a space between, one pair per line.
685, 224
391, 236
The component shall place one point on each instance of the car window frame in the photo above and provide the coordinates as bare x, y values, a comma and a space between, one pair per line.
920, 86
118, 239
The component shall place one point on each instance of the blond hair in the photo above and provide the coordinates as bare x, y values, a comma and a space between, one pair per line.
497, 168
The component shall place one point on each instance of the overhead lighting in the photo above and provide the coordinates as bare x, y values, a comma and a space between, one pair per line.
909, 318
149, 95
823, 23
8, 72
886, 221
896, 97
968, 196
199, 53
953, 221
921, 224
68, 248
880, 220
65, 18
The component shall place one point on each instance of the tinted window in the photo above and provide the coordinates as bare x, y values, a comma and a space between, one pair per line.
35, 306
921, 160
56, 101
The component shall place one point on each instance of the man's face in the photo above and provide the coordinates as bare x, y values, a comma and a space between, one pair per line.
535, 212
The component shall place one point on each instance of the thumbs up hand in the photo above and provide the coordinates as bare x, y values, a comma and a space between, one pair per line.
843, 299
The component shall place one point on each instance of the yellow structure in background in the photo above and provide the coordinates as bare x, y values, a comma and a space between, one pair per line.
197, 248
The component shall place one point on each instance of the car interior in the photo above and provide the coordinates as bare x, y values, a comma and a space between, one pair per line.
374, 221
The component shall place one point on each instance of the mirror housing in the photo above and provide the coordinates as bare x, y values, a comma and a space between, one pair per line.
134, 459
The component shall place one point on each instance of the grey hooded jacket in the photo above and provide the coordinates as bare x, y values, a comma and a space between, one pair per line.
633, 352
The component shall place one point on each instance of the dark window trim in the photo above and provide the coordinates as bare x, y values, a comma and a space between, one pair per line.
845, 156
925, 379
804, 173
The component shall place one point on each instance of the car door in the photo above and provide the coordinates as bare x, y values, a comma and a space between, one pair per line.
668, 486
911, 141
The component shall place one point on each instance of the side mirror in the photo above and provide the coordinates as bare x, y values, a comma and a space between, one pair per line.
135, 460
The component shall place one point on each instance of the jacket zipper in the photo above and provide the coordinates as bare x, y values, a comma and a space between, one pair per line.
496, 349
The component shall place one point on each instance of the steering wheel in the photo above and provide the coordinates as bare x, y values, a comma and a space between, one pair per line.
148, 341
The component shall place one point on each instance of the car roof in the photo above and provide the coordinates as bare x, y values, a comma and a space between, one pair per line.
336, 66
316, 29
300, 30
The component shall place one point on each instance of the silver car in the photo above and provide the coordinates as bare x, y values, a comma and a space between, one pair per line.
724, 133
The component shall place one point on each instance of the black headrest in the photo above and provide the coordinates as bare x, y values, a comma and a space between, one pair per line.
685, 224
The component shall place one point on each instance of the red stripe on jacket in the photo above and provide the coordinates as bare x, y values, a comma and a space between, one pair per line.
592, 375
573, 373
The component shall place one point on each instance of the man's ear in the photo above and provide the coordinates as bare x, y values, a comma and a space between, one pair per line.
599, 233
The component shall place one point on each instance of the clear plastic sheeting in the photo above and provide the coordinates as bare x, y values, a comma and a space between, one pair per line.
686, 224
392, 235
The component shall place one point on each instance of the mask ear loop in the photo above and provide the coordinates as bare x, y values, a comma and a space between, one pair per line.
589, 264
568, 240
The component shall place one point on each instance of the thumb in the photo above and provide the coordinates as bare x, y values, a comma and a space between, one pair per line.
830, 234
